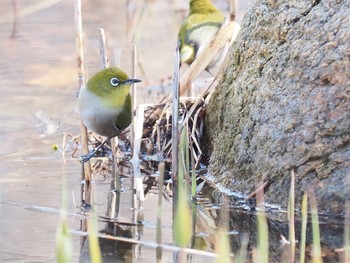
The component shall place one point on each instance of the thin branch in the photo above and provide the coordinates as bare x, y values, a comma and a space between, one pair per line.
82, 82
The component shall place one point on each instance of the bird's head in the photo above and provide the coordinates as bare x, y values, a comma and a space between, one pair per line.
202, 7
112, 85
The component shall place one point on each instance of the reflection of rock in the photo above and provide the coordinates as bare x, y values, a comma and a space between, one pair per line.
210, 216
243, 222
283, 103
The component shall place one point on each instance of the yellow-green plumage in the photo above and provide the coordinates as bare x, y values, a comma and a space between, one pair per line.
200, 26
101, 86
105, 103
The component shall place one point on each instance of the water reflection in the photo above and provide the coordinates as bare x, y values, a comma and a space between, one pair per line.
125, 237
38, 97
129, 224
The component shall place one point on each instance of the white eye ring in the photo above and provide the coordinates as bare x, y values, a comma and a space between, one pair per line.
114, 82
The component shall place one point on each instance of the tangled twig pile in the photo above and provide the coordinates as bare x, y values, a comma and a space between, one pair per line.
157, 128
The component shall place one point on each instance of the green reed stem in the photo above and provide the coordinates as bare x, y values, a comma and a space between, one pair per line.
64, 246
94, 246
263, 233
161, 169
316, 257
347, 233
303, 227
291, 206
182, 224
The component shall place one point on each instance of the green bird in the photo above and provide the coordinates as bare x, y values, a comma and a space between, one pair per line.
105, 104
202, 23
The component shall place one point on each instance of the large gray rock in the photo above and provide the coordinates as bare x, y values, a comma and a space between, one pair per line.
284, 103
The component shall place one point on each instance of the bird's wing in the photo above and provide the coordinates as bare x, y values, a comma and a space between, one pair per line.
196, 32
200, 36
123, 119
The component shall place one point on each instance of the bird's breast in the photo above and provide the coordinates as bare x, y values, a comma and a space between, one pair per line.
97, 115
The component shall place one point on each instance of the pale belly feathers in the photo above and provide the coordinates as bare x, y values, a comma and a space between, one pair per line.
96, 116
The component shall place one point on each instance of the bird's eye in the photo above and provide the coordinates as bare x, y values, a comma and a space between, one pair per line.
114, 82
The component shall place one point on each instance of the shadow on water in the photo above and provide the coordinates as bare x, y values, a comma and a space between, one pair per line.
127, 228
128, 234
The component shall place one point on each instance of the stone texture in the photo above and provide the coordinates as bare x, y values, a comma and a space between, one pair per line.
284, 103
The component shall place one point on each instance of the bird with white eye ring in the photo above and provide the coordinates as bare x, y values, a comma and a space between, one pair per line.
114, 82
104, 104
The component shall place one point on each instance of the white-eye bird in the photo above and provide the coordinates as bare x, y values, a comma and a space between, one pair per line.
202, 23
104, 104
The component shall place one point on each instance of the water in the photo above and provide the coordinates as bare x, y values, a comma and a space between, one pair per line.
38, 110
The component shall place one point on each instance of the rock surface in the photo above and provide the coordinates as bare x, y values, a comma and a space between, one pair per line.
284, 104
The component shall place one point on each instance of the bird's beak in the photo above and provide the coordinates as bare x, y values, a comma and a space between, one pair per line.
131, 81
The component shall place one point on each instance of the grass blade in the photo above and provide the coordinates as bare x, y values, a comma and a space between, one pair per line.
193, 174
175, 127
291, 206
161, 169
183, 222
94, 247
316, 255
303, 228
242, 254
263, 238
223, 247
263, 233
64, 247
347, 233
